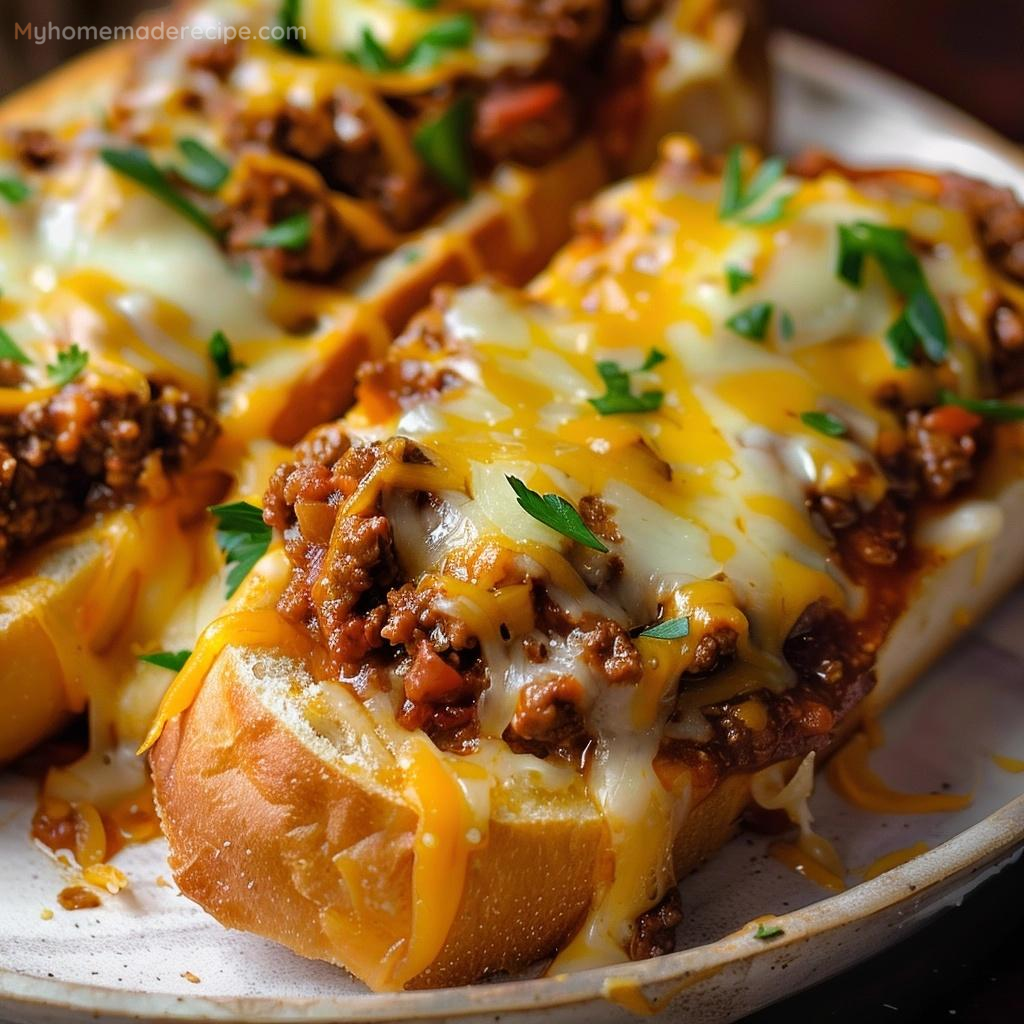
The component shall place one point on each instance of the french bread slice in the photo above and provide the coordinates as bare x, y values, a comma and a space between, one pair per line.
286, 816
508, 228
726, 574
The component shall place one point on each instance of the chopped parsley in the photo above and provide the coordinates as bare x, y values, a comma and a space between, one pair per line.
291, 233
736, 278
14, 190
135, 163
219, 349
10, 349
70, 363
989, 408
921, 326
423, 5
670, 629
768, 931
618, 396
243, 537
173, 660
443, 145
786, 326
454, 33
288, 19
554, 511
824, 422
752, 322
739, 200
202, 169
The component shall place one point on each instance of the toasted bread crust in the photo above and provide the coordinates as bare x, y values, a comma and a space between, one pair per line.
257, 823
231, 778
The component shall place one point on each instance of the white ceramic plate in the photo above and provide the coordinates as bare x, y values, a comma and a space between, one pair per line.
134, 956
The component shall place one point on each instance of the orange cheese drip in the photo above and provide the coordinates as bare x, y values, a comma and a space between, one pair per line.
261, 628
1009, 764
852, 777
800, 861
440, 857
888, 861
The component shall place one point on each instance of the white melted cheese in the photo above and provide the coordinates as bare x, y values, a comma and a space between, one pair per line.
708, 494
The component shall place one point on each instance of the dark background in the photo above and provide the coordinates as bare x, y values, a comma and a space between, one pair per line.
968, 966
969, 51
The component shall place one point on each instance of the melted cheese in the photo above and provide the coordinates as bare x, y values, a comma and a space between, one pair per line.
851, 775
710, 487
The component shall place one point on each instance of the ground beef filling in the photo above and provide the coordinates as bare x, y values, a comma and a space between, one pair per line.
86, 449
654, 933
347, 590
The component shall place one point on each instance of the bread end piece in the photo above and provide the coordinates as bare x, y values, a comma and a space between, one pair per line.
277, 830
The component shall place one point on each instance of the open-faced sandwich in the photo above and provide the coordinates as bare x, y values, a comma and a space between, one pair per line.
590, 566
204, 234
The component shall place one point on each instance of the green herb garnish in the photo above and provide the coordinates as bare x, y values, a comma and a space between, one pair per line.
70, 363
824, 422
670, 629
173, 660
618, 396
554, 511
786, 326
14, 190
989, 408
736, 278
428, 51
135, 163
288, 19
10, 349
221, 355
921, 325
738, 199
443, 145
204, 169
752, 322
370, 55
768, 931
291, 233
243, 537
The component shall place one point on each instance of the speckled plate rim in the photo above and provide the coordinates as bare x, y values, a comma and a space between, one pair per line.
992, 841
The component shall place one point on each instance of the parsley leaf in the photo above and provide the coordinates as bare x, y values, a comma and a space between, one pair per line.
423, 5
921, 325
243, 537
752, 322
173, 660
443, 145
736, 278
288, 19
989, 408
554, 511
204, 169
768, 931
10, 349
670, 629
618, 396
738, 200
427, 52
70, 363
135, 163
370, 55
219, 349
786, 326
14, 190
291, 233
824, 422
